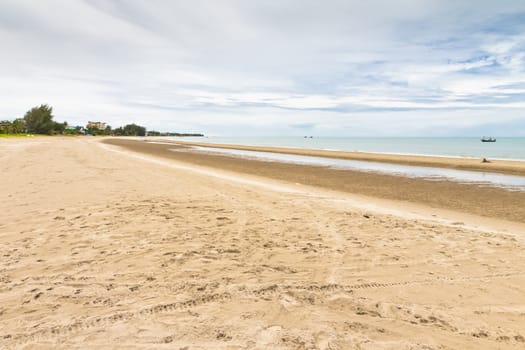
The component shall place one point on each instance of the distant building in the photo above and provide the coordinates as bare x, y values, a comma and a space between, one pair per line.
96, 125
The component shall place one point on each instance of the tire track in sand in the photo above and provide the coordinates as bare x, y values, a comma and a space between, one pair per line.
266, 291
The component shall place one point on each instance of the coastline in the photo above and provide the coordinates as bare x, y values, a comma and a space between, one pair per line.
111, 246
511, 167
468, 198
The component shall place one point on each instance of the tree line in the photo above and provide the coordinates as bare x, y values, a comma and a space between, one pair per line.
39, 120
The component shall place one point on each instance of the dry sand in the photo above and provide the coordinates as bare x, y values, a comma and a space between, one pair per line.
105, 248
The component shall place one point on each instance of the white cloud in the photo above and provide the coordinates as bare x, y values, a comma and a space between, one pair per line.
246, 66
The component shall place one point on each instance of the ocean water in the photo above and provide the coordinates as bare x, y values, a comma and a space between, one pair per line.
469, 147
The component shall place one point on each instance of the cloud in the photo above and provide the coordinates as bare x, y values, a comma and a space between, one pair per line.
249, 67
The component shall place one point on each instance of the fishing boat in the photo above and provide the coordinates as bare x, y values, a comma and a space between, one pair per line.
488, 139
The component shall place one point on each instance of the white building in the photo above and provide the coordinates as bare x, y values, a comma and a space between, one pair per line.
96, 125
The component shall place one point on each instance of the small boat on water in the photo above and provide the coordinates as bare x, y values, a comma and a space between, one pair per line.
488, 139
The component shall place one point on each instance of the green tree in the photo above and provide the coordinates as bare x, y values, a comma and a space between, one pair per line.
59, 128
19, 126
39, 120
6, 127
118, 131
134, 130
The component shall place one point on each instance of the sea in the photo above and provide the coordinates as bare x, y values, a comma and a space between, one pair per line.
508, 148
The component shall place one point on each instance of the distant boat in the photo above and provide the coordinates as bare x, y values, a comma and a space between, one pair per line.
488, 139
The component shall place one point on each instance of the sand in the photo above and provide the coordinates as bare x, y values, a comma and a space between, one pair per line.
483, 201
493, 165
107, 248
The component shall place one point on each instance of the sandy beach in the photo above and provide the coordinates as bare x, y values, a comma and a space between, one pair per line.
111, 243
483, 201
501, 166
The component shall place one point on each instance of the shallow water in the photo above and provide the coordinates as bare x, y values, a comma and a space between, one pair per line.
510, 182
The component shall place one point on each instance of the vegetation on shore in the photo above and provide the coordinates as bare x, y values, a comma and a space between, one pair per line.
39, 121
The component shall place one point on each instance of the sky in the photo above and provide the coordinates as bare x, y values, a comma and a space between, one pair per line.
270, 68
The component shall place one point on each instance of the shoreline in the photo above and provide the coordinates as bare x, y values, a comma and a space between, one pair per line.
511, 167
468, 198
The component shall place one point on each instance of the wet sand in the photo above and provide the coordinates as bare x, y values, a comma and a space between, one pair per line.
108, 247
493, 165
472, 199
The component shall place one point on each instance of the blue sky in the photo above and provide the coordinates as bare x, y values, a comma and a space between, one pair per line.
291, 67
